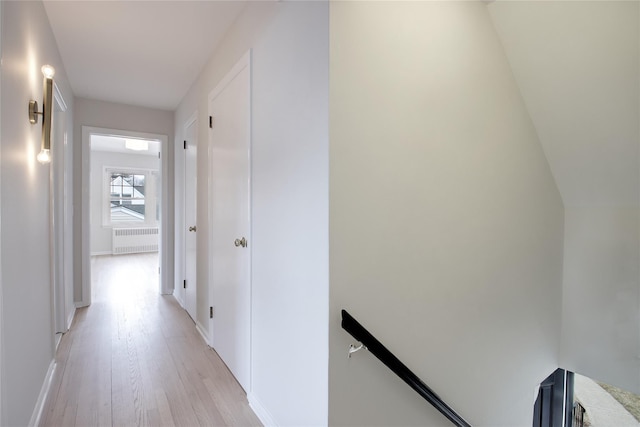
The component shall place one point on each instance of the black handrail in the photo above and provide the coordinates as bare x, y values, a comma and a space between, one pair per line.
376, 348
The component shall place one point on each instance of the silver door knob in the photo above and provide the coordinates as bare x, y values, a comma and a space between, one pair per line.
240, 242
192, 228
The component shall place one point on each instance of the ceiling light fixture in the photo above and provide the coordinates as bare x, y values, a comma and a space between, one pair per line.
47, 100
136, 144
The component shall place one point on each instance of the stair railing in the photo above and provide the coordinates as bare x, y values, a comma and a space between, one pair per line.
376, 348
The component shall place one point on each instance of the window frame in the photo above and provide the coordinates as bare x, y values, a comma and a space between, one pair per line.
149, 197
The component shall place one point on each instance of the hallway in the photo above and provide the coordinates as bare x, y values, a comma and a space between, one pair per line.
134, 357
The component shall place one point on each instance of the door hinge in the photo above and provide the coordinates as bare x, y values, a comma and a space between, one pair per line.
210, 122
158, 270
158, 155
210, 312
185, 144
184, 283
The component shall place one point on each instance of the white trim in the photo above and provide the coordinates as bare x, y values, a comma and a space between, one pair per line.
242, 63
57, 189
2, 413
166, 283
250, 232
179, 217
100, 253
57, 94
72, 315
175, 295
203, 333
261, 412
191, 121
149, 198
42, 398
80, 304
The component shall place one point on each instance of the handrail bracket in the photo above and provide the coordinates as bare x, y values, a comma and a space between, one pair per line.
355, 349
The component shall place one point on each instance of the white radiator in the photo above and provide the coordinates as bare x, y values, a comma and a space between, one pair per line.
134, 240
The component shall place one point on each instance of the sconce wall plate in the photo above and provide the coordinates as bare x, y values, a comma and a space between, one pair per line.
33, 112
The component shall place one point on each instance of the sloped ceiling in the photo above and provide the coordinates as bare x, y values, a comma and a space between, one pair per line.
145, 53
576, 63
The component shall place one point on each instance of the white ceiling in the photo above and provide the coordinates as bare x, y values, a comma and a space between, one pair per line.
145, 53
577, 66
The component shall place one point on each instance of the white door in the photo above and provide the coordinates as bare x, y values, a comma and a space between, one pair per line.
190, 206
229, 107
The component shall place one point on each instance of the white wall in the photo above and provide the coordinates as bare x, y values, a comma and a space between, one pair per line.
108, 115
289, 43
446, 226
101, 235
577, 65
27, 329
600, 329
1, 301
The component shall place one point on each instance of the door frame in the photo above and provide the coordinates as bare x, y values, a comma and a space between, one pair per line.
165, 285
554, 402
181, 233
58, 188
180, 217
243, 62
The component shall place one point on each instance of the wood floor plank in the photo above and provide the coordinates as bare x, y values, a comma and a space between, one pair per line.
134, 358
191, 375
164, 410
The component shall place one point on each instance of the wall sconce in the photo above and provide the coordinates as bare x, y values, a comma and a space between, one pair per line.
47, 101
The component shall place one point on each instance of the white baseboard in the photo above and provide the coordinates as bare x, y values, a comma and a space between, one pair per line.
99, 253
42, 398
80, 304
56, 342
72, 314
261, 412
203, 333
175, 295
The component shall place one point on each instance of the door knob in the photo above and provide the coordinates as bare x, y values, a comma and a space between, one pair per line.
192, 228
240, 242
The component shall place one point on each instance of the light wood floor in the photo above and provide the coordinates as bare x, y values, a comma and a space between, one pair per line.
134, 358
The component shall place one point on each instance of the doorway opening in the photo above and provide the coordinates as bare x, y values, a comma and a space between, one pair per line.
571, 400
605, 405
124, 190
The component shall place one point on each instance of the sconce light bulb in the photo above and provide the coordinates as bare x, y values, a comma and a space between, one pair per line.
44, 156
48, 71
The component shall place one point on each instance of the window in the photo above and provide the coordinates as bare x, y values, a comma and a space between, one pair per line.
130, 197
127, 197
